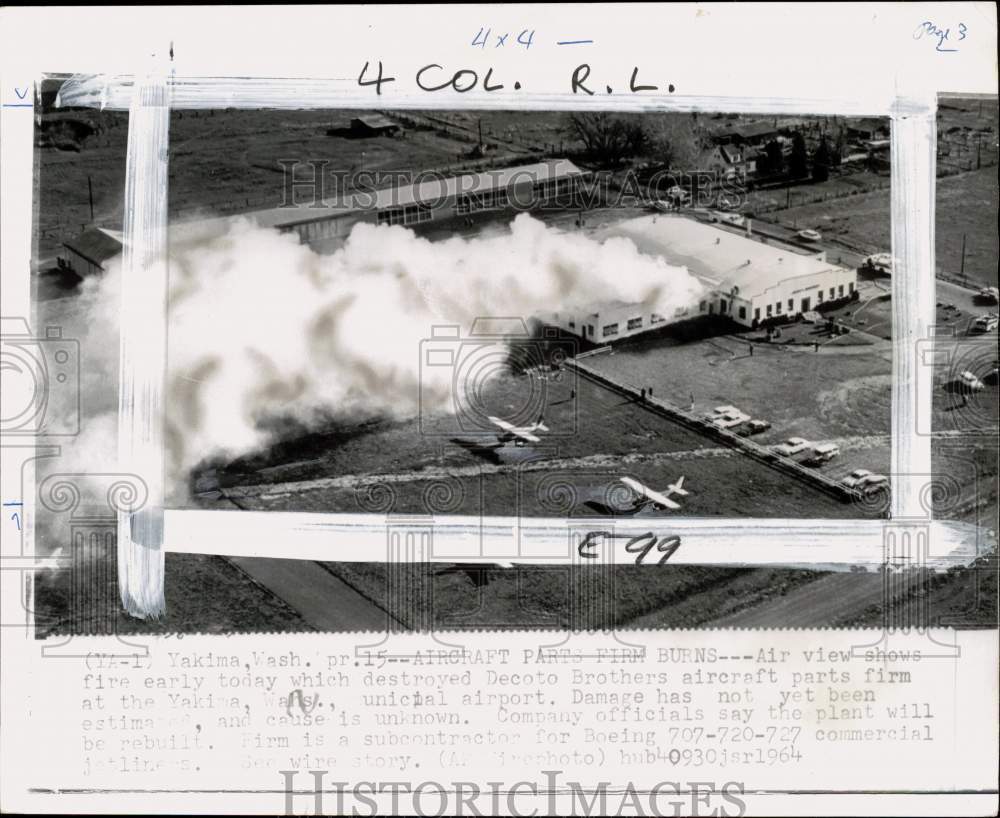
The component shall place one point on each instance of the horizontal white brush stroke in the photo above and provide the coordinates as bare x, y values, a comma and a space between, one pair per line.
114, 92
830, 545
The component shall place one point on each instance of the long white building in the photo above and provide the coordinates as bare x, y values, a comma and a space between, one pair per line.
325, 226
745, 279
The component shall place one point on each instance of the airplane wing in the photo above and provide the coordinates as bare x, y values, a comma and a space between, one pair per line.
661, 499
511, 429
649, 494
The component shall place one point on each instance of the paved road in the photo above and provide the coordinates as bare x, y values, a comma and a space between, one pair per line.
832, 598
326, 602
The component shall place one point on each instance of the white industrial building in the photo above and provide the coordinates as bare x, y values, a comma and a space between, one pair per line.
607, 323
746, 279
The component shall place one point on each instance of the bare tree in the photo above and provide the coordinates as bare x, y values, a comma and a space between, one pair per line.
677, 140
609, 138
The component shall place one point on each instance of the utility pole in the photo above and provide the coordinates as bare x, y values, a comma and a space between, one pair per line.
961, 269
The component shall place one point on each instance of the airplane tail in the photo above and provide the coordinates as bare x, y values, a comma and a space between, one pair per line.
677, 488
540, 424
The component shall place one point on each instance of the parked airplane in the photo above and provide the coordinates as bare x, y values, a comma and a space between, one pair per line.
519, 434
659, 499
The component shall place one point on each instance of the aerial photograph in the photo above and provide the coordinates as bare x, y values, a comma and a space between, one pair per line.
574, 315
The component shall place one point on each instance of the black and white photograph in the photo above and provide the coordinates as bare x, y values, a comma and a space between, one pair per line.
500, 409
591, 316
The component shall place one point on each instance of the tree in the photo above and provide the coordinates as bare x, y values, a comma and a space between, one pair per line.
676, 140
798, 162
609, 138
839, 146
774, 163
821, 162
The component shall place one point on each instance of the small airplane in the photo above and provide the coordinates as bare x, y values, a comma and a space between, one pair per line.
658, 499
519, 434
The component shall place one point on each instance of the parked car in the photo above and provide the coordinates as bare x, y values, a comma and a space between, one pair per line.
809, 235
679, 195
793, 445
988, 295
984, 323
754, 427
734, 219
864, 478
968, 381
730, 421
879, 263
823, 453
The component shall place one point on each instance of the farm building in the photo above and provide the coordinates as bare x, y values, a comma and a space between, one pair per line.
868, 129
745, 280
374, 125
324, 227
748, 134
92, 250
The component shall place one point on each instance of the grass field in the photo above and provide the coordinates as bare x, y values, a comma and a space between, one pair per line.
204, 595
966, 206
596, 435
227, 161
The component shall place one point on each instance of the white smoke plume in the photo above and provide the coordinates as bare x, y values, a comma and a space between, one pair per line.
262, 327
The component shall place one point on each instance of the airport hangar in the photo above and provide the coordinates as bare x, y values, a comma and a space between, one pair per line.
746, 280
324, 227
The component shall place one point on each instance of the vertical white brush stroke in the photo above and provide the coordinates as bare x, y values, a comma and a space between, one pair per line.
914, 158
144, 347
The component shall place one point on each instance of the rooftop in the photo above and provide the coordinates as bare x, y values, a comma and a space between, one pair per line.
722, 258
96, 244
432, 191
749, 130
375, 121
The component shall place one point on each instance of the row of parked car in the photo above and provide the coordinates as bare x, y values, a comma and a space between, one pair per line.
820, 453
734, 419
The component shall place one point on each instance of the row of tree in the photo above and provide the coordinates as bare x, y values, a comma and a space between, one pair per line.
675, 140
799, 164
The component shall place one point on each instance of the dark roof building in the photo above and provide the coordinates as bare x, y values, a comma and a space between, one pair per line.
374, 125
868, 128
94, 247
751, 133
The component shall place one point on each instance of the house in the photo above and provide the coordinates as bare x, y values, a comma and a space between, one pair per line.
868, 129
728, 160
